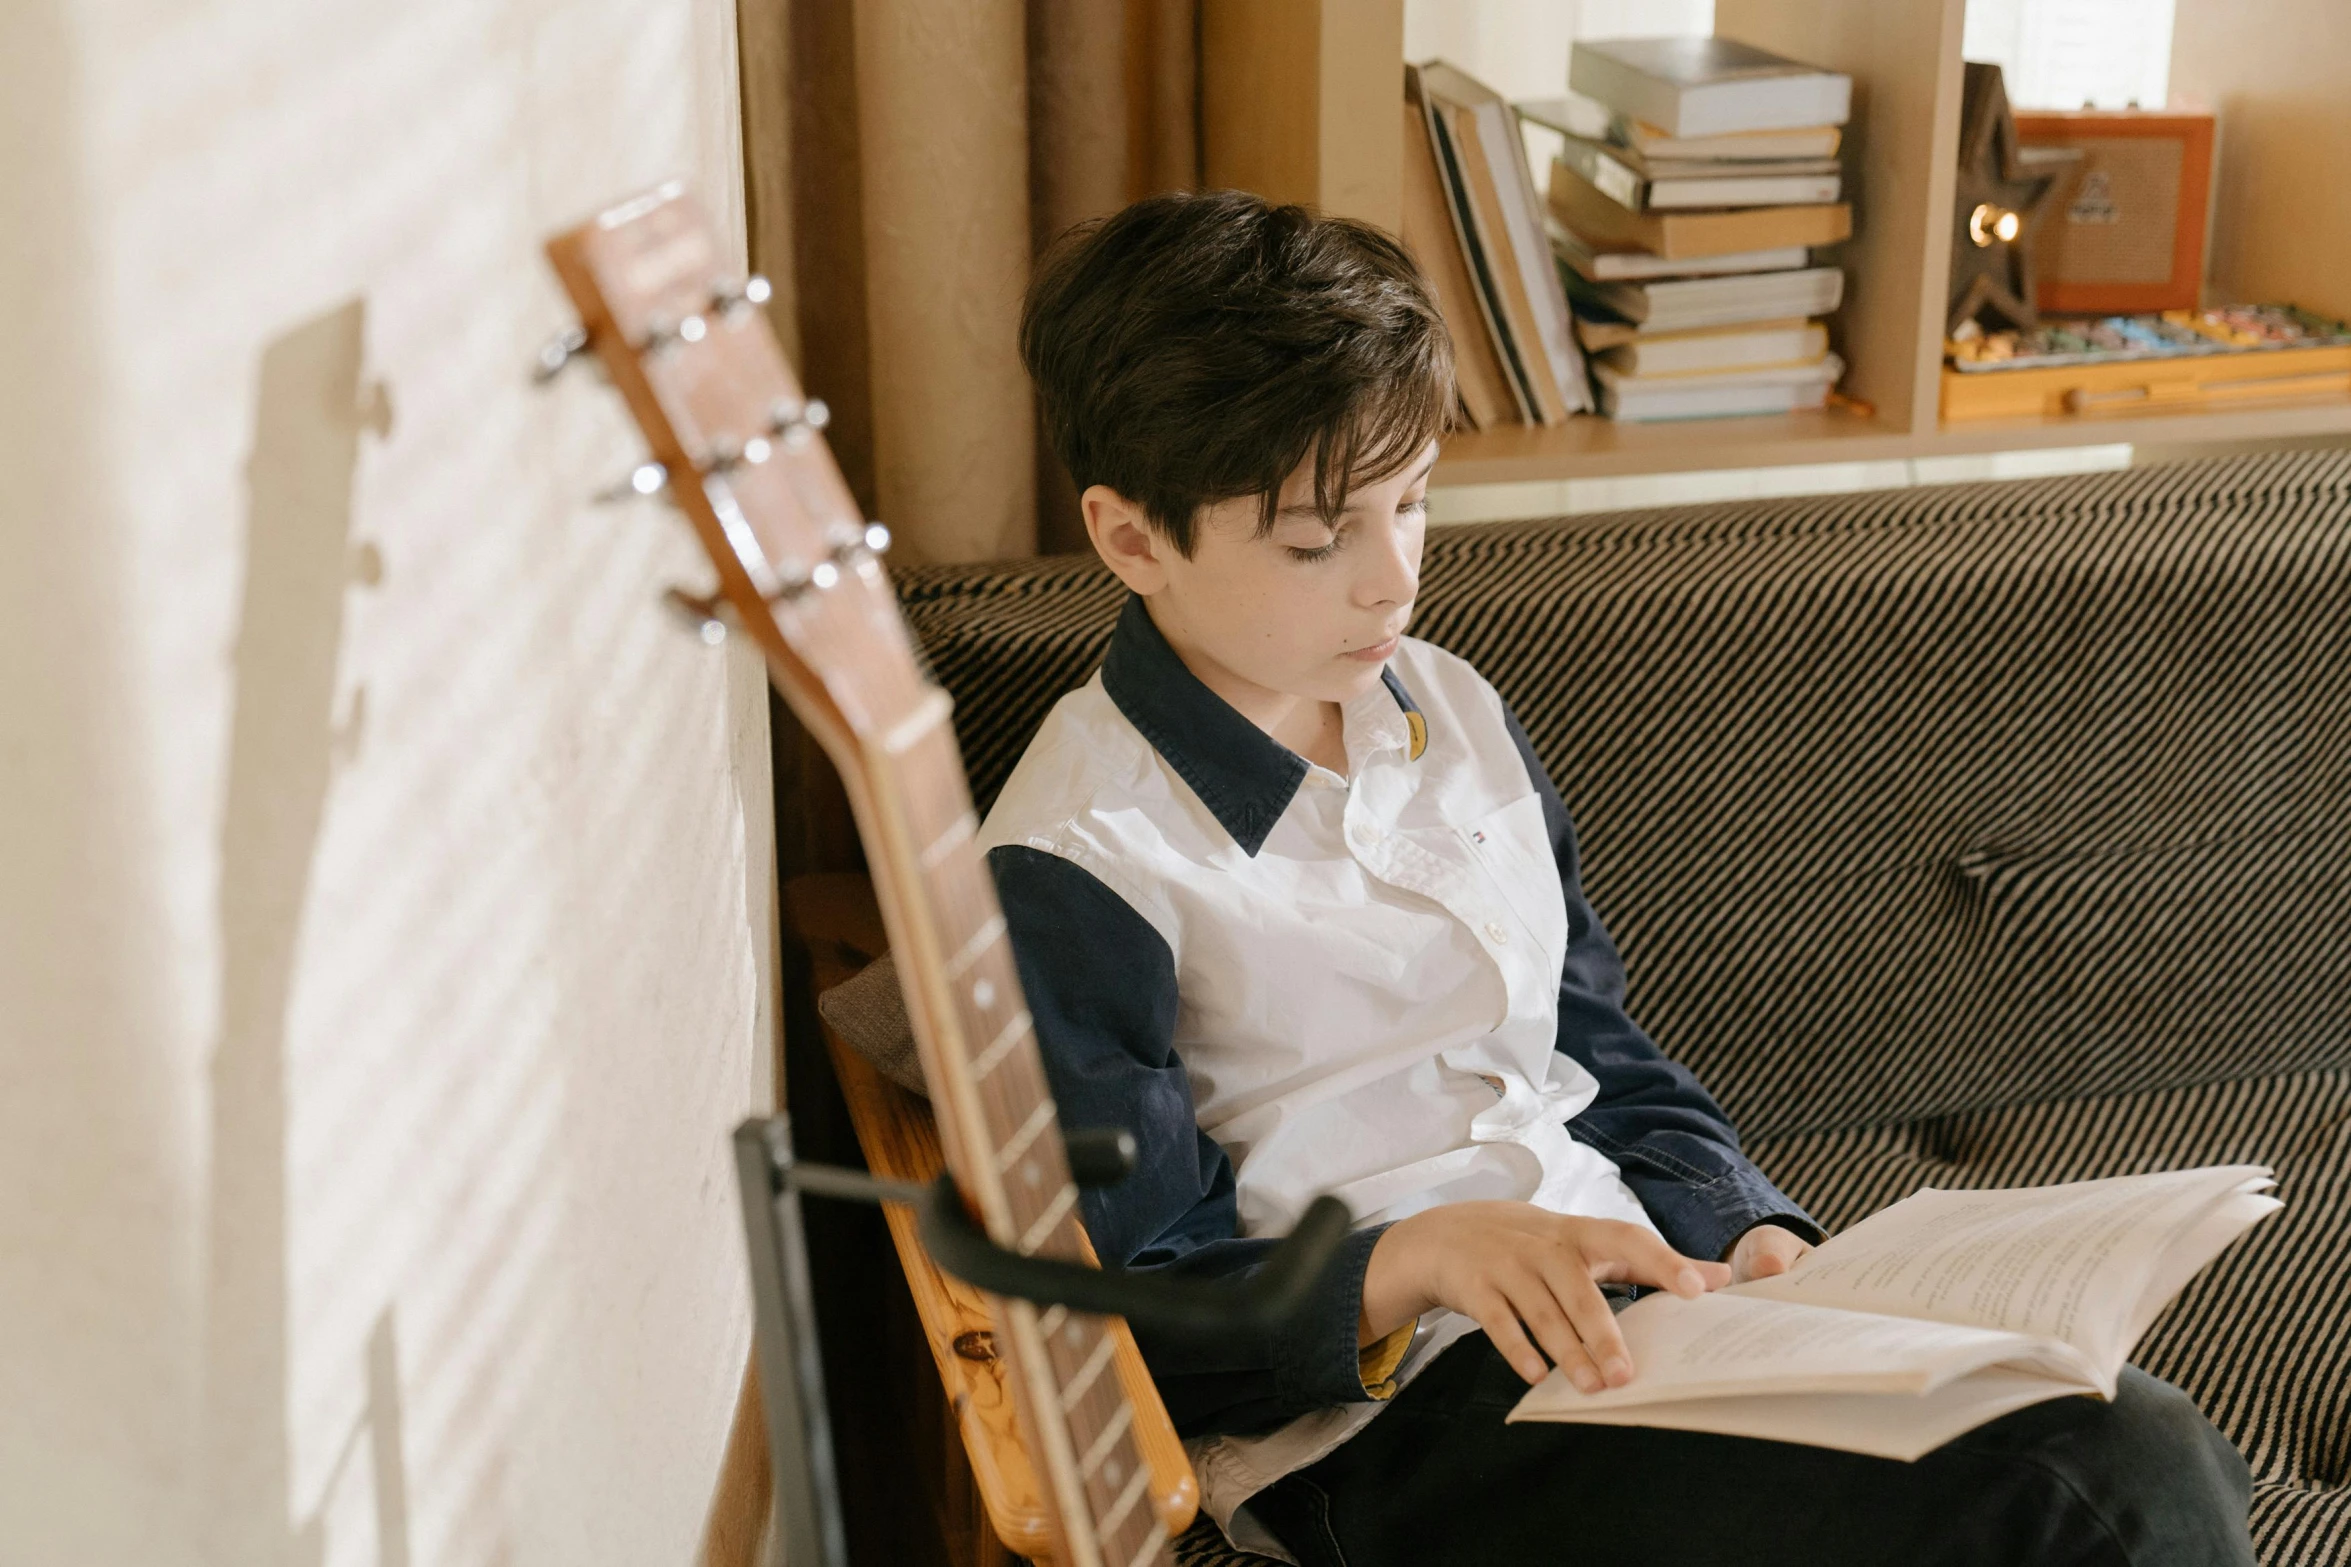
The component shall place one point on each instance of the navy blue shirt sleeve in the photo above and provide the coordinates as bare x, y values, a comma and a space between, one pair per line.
1676, 1147
1101, 985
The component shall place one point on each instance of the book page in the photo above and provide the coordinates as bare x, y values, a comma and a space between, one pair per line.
1724, 1344
2065, 1262
1900, 1426
2205, 1239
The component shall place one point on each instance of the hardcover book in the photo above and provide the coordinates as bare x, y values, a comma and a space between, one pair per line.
1707, 86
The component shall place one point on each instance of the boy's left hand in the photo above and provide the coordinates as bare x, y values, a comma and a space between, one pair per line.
1765, 1250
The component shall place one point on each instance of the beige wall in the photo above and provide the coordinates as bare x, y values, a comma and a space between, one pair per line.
385, 927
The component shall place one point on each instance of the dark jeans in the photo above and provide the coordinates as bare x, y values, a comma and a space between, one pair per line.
1440, 1479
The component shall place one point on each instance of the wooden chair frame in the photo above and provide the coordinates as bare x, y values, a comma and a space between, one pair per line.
836, 918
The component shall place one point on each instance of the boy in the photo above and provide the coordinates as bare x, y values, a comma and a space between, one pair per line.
1295, 903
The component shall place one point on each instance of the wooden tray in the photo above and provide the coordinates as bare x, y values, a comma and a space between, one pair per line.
2147, 385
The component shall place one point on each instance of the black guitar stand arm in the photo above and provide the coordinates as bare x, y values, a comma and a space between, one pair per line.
791, 1374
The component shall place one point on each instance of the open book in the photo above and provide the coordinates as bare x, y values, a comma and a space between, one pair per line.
1926, 1319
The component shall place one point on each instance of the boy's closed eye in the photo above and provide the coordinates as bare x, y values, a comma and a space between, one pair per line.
1307, 538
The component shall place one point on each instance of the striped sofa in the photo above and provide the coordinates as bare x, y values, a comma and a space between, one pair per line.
1978, 835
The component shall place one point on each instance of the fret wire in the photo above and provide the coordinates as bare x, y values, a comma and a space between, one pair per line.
1105, 1445
1128, 1498
989, 933
1152, 1546
1030, 1130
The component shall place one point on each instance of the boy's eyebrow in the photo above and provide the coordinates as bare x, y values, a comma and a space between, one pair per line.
1309, 509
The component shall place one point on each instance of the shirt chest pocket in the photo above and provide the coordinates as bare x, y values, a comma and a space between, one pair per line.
1512, 847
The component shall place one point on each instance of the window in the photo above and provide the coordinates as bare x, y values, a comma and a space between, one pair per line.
2068, 54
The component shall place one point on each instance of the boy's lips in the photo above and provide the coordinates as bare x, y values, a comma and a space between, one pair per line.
1374, 653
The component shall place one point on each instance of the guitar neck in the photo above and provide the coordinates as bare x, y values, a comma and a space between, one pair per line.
998, 1122
735, 447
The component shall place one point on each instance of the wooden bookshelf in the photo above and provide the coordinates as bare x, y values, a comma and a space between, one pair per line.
2281, 215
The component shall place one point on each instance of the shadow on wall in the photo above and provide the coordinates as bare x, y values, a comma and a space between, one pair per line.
283, 746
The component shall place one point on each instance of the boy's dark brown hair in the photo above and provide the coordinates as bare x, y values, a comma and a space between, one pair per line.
1198, 347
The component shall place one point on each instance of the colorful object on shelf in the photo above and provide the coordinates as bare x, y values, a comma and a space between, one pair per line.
2127, 231
2170, 335
2179, 360
2003, 197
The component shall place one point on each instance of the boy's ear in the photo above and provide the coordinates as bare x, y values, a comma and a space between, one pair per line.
1124, 538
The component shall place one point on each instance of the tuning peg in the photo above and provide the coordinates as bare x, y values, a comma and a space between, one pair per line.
851, 540
731, 302
662, 333
702, 613
556, 355
795, 420
646, 478
725, 456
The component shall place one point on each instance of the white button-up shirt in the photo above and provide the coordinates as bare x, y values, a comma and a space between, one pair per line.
1355, 982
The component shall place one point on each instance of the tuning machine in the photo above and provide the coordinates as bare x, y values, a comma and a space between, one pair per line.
646, 479
725, 456
705, 614
730, 303
558, 352
795, 421
850, 543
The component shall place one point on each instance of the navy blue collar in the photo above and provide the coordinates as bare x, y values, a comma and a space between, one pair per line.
1243, 775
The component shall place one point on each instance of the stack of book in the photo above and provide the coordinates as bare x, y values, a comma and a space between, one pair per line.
1695, 178
1473, 221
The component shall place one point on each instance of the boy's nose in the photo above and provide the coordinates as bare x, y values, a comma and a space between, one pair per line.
1392, 575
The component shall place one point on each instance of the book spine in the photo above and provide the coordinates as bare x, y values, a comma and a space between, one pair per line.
1796, 191
1609, 176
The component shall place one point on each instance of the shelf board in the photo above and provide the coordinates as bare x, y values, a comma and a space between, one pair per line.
1586, 447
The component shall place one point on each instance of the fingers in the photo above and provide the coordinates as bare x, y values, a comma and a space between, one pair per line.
1495, 1315
1595, 1324
1544, 1301
1630, 1252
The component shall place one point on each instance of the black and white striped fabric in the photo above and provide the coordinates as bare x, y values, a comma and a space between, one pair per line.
1987, 834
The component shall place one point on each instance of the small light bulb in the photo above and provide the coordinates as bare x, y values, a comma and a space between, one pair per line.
756, 289
647, 477
2009, 226
824, 575
692, 329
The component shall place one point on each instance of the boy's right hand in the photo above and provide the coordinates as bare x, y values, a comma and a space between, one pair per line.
1528, 1277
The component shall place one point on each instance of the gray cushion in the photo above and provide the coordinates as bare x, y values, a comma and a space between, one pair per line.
868, 1011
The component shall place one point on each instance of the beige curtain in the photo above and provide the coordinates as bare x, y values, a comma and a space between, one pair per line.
907, 159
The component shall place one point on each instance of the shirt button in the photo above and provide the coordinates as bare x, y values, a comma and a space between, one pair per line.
1366, 834
1496, 934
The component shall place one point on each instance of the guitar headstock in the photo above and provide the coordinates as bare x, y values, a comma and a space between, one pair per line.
736, 446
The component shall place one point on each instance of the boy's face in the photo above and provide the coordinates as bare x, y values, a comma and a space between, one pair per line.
1308, 611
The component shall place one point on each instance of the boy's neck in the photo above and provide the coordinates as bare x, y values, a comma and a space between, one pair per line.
1313, 728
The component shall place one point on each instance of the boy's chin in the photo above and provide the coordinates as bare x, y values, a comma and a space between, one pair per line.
1345, 679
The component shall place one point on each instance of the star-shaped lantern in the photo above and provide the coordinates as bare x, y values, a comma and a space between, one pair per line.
2002, 192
